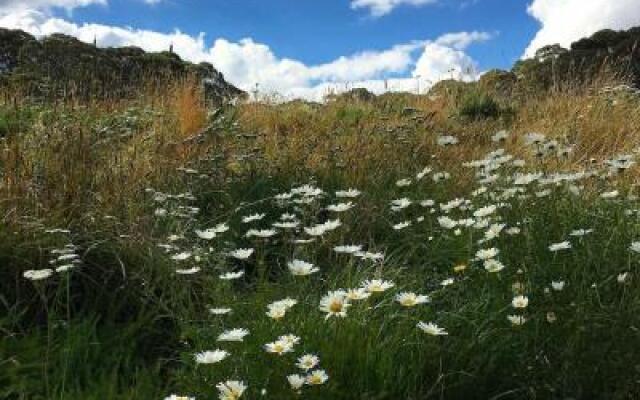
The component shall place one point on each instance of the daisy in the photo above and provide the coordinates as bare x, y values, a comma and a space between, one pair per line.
278, 347
296, 381
447, 140
425, 171
622, 277
189, 271
580, 232
230, 390
610, 195
431, 329
486, 254
340, 207
399, 204
520, 302
635, 247
347, 249
177, 397
427, 203
207, 234
263, 233
447, 223
253, 217
447, 282
514, 230
278, 309
286, 224
220, 311
366, 255
39, 274
233, 335
181, 256
211, 357
357, 294
403, 182
301, 268
485, 211
276, 313
560, 246
232, 275
517, 320
440, 176
317, 377
335, 303
221, 228
291, 339
241, 254
500, 136
377, 285
307, 362
401, 225
557, 285
65, 267
410, 299
350, 193
492, 265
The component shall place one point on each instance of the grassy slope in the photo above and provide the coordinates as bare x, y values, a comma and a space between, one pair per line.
125, 326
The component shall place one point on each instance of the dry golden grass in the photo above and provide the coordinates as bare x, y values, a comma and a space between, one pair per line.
62, 167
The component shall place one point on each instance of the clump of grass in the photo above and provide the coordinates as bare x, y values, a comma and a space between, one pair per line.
477, 105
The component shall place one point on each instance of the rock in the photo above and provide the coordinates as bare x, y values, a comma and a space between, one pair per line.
61, 66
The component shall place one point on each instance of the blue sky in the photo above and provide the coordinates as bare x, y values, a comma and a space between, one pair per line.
307, 48
316, 31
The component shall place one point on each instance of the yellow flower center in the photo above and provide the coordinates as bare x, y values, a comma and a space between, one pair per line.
335, 306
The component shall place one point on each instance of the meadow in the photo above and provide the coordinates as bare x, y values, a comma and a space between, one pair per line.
402, 247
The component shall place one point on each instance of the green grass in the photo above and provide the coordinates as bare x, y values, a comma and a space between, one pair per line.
125, 325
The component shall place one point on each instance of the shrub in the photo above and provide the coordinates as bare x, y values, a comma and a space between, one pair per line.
478, 105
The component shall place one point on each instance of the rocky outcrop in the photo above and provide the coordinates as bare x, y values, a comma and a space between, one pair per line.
62, 66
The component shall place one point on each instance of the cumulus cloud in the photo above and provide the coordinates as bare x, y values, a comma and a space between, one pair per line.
246, 62
18, 5
565, 21
439, 62
378, 8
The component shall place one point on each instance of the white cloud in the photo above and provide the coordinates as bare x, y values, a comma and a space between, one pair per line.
439, 62
246, 63
565, 21
21, 5
378, 8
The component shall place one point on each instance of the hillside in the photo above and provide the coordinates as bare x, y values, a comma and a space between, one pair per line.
472, 244
61, 66
605, 56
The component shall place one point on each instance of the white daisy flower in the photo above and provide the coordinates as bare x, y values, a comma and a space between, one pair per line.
560, 246
241, 254
301, 268
232, 275
230, 390
37, 274
307, 362
431, 329
410, 299
211, 357
253, 217
233, 335
520, 302
335, 304
317, 377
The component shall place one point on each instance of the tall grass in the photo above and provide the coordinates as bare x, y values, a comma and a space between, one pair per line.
125, 325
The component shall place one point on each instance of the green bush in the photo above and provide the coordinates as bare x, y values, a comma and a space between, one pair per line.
478, 105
